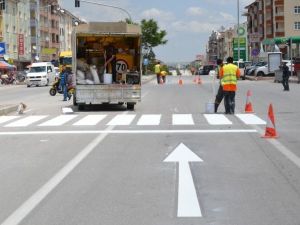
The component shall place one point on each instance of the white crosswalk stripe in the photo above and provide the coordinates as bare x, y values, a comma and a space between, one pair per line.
250, 119
90, 120
127, 119
4, 119
217, 119
121, 120
59, 120
151, 119
182, 119
24, 122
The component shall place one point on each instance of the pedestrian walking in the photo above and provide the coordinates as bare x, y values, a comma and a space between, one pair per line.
157, 70
229, 75
285, 77
220, 94
64, 82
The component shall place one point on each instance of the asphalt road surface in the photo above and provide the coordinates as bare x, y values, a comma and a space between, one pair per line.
167, 162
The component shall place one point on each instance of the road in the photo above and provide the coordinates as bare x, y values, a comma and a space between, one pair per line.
165, 163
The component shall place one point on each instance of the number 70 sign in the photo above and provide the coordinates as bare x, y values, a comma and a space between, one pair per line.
121, 66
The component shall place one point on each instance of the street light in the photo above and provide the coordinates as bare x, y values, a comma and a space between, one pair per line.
111, 6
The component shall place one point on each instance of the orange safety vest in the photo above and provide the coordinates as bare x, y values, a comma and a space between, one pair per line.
229, 74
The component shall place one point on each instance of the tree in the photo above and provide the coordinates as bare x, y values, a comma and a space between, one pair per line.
151, 37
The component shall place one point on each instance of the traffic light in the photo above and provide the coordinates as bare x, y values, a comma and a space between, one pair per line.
77, 3
288, 42
2, 4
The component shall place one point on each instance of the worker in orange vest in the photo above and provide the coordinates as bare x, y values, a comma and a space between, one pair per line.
229, 75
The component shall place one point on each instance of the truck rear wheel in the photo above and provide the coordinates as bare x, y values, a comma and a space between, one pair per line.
130, 106
81, 106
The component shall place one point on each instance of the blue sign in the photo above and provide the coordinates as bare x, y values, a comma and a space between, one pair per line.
2, 48
255, 52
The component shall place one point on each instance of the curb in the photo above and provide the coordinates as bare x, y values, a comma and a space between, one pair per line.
4, 110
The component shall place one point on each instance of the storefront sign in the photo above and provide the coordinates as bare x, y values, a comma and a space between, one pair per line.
21, 44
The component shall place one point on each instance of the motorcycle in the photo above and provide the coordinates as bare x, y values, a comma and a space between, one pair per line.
56, 88
8, 79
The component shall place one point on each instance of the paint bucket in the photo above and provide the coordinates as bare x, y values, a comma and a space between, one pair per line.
107, 78
210, 107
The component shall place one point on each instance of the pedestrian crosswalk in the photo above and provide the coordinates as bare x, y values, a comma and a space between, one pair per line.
129, 120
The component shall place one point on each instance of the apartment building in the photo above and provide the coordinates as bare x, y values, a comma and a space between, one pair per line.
273, 22
15, 32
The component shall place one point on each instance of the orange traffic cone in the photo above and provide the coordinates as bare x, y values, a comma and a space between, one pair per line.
248, 106
180, 82
199, 80
270, 128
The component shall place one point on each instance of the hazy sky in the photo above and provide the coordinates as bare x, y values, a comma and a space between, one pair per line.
188, 23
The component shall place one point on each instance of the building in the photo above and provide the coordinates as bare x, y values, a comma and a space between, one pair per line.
274, 22
15, 32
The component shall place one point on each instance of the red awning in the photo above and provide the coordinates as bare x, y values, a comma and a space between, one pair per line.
5, 65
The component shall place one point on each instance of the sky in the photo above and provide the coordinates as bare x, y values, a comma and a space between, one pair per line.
188, 23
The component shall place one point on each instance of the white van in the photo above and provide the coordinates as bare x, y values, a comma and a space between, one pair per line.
41, 73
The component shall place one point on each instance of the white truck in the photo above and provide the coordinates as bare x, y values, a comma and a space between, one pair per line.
107, 64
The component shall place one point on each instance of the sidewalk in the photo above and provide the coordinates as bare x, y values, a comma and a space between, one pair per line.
6, 109
293, 79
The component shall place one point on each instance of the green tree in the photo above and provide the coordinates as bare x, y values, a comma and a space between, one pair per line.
152, 36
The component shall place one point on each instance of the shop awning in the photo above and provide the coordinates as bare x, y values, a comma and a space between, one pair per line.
276, 40
295, 39
5, 65
268, 41
280, 40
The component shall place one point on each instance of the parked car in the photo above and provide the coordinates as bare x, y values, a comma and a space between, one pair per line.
199, 72
241, 66
251, 69
207, 68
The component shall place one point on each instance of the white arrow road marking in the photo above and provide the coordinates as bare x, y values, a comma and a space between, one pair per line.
188, 205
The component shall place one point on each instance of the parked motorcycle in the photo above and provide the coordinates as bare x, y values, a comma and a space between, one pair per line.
7, 79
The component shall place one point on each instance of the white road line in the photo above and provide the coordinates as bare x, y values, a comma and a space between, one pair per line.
250, 119
182, 119
151, 119
90, 120
121, 120
217, 119
25, 121
127, 132
281, 148
59, 120
20, 213
4, 119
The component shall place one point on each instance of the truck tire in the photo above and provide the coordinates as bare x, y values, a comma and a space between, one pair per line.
81, 107
130, 106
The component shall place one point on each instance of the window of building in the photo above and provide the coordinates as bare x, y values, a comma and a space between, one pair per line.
297, 25
297, 9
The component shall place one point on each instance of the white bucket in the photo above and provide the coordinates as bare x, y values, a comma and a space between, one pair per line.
210, 107
107, 78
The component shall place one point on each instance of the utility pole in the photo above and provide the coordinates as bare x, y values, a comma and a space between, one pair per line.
238, 28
